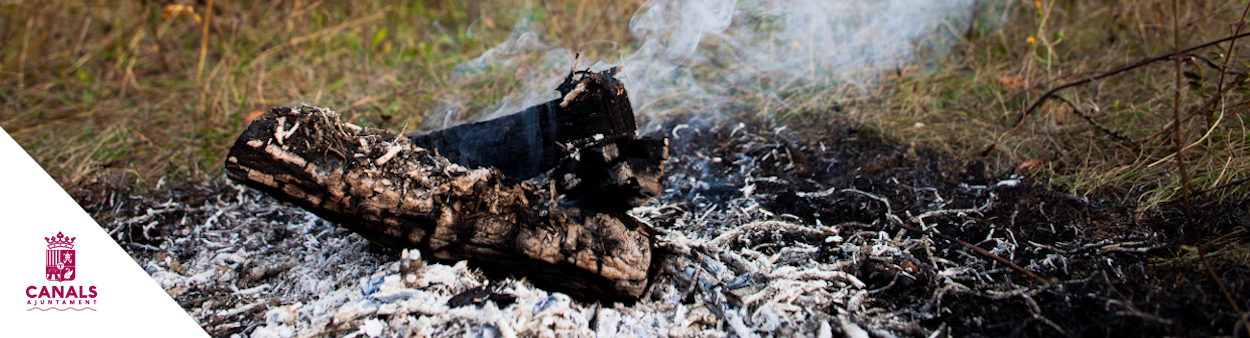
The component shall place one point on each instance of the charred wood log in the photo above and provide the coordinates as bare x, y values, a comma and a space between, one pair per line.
592, 117
565, 229
612, 175
528, 143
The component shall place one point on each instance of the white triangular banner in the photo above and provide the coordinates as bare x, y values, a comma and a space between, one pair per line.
54, 288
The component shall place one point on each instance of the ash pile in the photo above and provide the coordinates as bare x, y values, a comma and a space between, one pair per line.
756, 232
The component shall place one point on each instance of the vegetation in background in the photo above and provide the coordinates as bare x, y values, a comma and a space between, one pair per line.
101, 87
1108, 135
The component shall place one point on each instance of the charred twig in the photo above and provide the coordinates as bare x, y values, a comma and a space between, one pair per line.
970, 246
143, 246
920, 218
981, 251
1123, 140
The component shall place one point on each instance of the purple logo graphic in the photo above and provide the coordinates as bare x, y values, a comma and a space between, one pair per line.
60, 258
60, 266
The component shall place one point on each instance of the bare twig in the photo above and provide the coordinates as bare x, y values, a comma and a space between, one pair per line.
1192, 112
1180, 156
1222, 186
1124, 140
981, 251
970, 246
1135, 65
1220, 96
1050, 93
1176, 132
1228, 56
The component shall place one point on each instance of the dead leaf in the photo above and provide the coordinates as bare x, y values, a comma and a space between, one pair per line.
1012, 82
1025, 166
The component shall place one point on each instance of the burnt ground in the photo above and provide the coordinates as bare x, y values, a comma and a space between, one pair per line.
769, 232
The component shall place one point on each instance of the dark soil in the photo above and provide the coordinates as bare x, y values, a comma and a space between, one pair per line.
1160, 290
1111, 271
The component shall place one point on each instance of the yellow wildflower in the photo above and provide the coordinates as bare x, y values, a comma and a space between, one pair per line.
180, 11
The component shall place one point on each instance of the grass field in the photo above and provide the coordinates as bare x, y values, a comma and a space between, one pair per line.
98, 87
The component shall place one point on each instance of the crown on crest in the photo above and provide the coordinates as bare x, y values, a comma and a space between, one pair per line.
60, 241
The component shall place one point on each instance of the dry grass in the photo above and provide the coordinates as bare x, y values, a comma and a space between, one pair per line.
971, 99
92, 87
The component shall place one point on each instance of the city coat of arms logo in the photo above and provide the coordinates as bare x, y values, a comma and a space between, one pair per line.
60, 258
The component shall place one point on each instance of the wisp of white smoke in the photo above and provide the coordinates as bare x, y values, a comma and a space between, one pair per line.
696, 56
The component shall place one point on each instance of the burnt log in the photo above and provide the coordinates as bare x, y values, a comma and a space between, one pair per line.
613, 174
528, 143
564, 228
593, 116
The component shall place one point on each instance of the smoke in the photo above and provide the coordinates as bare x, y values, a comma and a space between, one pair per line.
537, 77
716, 58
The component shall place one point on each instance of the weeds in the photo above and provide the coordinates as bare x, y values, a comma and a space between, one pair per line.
975, 97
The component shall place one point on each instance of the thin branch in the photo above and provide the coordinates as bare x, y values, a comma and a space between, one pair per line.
1176, 119
1180, 156
979, 250
1124, 140
975, 248
1192, 112
1228, 56
1222, 186
1135, 65
1050, 93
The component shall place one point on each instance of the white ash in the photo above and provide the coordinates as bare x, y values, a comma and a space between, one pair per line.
337, 285
243, 264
